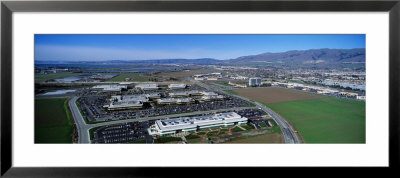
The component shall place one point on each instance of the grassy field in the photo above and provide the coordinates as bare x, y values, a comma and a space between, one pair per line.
223, 83
325, 120
137, 77
232, 92
43, 77
275, 95
53, 121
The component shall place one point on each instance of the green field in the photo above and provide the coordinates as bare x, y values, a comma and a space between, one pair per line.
232, 92
325, 120
44, 77
223, 83
137, 77
53, 121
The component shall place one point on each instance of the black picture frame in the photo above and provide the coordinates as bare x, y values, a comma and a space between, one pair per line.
8, 7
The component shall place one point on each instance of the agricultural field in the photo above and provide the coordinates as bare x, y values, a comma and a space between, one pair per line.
185, 73
275, 95
137, 77
53, 121
325, 120
43, 77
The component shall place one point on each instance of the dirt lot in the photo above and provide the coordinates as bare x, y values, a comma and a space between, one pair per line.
181, 74
275, 95
265, 138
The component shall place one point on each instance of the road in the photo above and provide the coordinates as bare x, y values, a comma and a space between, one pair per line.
83, 128
287, 130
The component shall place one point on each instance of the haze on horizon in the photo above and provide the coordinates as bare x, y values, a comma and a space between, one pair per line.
56, 47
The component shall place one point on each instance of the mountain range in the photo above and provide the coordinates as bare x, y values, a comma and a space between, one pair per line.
312, 56
323, 57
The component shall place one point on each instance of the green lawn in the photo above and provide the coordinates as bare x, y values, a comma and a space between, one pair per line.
262, 124
231, 92
247, 126
44, 77
325, 120
223, 83
166, 139
137, 77
53, 121
191, 136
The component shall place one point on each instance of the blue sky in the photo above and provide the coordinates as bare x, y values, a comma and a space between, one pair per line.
136, 47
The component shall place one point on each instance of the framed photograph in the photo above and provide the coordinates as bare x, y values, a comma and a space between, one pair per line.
110, 88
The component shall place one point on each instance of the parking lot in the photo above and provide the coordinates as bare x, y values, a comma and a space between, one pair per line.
92, 108
133, 132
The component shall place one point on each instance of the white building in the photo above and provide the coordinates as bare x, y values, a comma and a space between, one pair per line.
138, 97
124, 105
189, 124
177, 86
212, 97
110, 87
254, 81
147, 86
174, 100
208, 93
179, 94
153, 95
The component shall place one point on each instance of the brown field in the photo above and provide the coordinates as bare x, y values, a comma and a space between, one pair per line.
181, 74
264, 138
275, 95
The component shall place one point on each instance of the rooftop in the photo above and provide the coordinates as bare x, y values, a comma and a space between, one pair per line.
190, 122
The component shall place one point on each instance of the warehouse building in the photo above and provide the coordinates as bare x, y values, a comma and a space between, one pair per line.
139, 97
148, 86
121, 105
179, 94
110, 87
174, 100
177, 86
212, 97
153, 95
190, 124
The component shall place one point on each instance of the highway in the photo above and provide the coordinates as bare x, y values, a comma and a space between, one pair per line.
287, 130
83, 128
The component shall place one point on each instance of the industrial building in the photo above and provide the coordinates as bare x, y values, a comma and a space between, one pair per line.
124, 105
208, 93
148, 86
212, 97
254, 81
153, 95
189, 124
179, 94
188, 93
138, 97
177, 86
110, 87
174, 100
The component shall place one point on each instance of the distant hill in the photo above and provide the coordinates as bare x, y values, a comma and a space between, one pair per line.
312, 56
